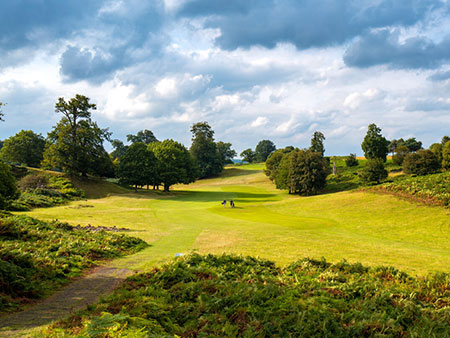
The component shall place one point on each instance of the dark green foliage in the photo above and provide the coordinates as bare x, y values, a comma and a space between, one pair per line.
175, 164
400, 154
25, 147
423, 162
143, 136
263, 149
36, 256
436, 148
273, 162
434, 189
351, 161
374, 144
446, 156
75, 144
248, 155
204, 150
317, 143
138, 166
229, 296
8, 188
226, 153
374, 171
119, 149
413, 144
444, 140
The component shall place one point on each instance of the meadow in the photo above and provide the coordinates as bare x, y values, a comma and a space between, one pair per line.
357, 226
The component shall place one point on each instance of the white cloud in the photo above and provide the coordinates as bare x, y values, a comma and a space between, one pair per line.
259, 122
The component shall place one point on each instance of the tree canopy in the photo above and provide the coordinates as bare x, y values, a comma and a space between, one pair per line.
317, 143
145, 136
263, 149
374, 144
248, 155
8, 188
226, 153
374, 171
422, 162
25, 147
204, 150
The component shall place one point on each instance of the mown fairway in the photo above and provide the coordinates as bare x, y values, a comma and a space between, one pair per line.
374, 229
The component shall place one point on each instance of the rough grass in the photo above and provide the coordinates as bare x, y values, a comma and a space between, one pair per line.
374, 229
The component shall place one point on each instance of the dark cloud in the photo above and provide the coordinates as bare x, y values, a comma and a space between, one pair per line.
427, 105
304, 23
384, 47
440, 76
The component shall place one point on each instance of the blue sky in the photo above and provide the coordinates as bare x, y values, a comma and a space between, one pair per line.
254, 69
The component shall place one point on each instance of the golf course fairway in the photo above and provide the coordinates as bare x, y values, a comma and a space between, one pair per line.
374, 229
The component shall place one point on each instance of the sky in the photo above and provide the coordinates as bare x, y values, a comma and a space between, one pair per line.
253, 69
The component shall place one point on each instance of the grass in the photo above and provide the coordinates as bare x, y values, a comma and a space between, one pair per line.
374, 229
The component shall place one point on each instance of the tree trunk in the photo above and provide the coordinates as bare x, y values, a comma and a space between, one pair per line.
166, 187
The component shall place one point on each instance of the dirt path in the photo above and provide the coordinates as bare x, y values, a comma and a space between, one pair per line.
70, 298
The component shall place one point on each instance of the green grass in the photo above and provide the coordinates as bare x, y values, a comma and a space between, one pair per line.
374, 229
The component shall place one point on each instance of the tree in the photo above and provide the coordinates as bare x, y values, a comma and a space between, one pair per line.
263, 149
248, 155
444, 140
436, 148
8, 188
138, 166
374, 144
145, 136
75, 144
274, 160
351, 161
226, 153
204, 150
175, 163
317, 143
446, 156
423, 162
413, 144
393, 145
25, 147
374, 171
400, 154
119, 149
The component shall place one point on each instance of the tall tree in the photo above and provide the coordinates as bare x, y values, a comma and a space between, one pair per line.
8, 188
145, 136
204, 150
175, 163
226, 153
76, 143
119, 149
436, 148
413, 144
25, 147
263, 149
274, 160
317, 143
374, 144
248, 155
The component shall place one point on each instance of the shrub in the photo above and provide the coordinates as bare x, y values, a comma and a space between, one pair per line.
374, 171
351, 161
33, 181
423, 162
400, 154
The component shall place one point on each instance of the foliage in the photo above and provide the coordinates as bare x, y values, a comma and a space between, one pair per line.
351, 161
25, 147
175, 163
204, 150
138, 167
37, 256
374, 144
317, 143
273, 162
444, 140
400, 154
446, 156
423, 162
230, 296
433, 188
144, 136
226, 153
119, 149
8, 188
263, 149
436, 148
374, 171
75, 144
248, 155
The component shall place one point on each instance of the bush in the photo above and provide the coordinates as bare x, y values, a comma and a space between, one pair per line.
423, 162
400, 154
33, 181
351, 161
374, 171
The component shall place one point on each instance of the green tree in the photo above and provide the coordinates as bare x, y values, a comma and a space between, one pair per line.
75, 144
400, 154
436, 148
119, 149
413, 144
444, 140
374, 171
175, 163
274, 160
25, 147
446, 156
263, 149
145, 136
138, 166
8, 188
317, 143
351, 161
374, 144
248, 155
423, 162
226, 153
204, 150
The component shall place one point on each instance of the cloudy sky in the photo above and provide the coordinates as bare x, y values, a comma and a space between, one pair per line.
254, 69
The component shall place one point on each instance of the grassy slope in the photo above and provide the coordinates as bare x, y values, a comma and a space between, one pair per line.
358, 226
